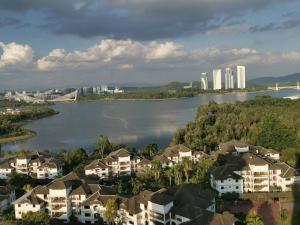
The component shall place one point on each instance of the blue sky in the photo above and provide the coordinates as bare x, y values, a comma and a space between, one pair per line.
54, 43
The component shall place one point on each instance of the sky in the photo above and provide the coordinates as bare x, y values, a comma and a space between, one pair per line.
72, 43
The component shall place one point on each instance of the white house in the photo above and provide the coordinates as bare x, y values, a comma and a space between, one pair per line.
5, 170
250, 172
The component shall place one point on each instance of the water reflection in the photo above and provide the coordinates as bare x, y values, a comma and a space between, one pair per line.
129, 122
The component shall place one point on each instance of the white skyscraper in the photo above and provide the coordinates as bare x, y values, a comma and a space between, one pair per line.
241, 77
229, 82
204, 81
217, 79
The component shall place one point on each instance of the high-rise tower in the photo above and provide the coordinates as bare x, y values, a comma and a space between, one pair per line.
229, 81
241, 77
204, 81
217, 79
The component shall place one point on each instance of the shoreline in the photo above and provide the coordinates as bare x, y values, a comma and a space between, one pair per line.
11, 140
164, 99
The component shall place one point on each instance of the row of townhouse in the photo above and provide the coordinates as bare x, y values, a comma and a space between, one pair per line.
74, 195
43, 166
121, 162
253, 169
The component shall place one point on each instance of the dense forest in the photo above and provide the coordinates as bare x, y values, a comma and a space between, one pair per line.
265, 121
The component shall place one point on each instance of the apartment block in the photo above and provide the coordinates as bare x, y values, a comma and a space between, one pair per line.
118, 163
253, 169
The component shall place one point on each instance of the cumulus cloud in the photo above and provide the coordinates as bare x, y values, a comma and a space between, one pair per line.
129, 54
15, 55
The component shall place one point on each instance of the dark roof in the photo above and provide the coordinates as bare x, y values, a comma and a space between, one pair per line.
162, 159
30, 198
144, 162
225, 172
174, 150
208, 218
97, 163
286, 170
185, 195
42, 190
5, 165
161, 197
59, 184
119, 153
132, 205
98, 198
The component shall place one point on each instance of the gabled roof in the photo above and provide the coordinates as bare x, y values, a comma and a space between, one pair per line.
174, 150
5, 165
97, 163
144, 162
119, 153
161, 197
162, 159
224, 172
30, 197
286, 170
209, 218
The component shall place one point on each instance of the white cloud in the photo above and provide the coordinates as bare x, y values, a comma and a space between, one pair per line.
129, 54
15, 55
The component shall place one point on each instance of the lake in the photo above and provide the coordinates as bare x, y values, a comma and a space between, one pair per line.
134, 123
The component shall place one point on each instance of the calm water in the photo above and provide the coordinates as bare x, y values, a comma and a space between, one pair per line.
135, 123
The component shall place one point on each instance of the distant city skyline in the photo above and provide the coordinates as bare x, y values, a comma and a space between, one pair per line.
75, 43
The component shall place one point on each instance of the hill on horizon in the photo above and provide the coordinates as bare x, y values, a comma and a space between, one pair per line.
291, 78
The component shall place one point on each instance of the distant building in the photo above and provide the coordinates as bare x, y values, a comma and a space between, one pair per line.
217, 79
204, 81
229, 81
104, 88
188, 86
241, 77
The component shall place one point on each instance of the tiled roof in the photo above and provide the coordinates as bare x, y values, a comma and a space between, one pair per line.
209, 218
97, 163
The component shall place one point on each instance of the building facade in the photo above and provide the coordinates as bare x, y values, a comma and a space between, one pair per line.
241, 77
217, 79
229, 79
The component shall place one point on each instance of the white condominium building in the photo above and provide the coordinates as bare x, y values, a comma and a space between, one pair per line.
217, 79
118, 163
229, 81
241, 77
44, 167
255, 170
174, 155
204, 81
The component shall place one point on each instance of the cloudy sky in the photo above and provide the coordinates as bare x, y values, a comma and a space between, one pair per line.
62, 43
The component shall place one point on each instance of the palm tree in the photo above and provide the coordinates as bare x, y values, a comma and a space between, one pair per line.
156, 169
170, 173
253, 219
178, 174
187, 166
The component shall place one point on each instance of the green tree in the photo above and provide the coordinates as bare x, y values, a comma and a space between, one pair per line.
137, 185
187, 167
178, 170
170, 173
156, 169
103, 146
110, 213
27, 187
76, 158
149, 151
253, 219
35, 218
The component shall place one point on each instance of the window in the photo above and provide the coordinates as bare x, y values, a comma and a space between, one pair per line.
236, 187
236, 180
222, 187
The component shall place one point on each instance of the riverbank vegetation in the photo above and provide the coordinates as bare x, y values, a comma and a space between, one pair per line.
11, 123
171, 91
264, 121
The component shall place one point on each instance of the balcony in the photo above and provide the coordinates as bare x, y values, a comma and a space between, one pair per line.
261, 174
260, 181
125, 163
58, 214
59, 207
58, 200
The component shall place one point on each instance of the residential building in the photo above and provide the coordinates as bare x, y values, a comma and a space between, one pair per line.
39, 165
118, 163
5, 170
73, 195
7, 196
217, 79
229, 80
241, 77
175, 154
50, 169
248, 171
204, 81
